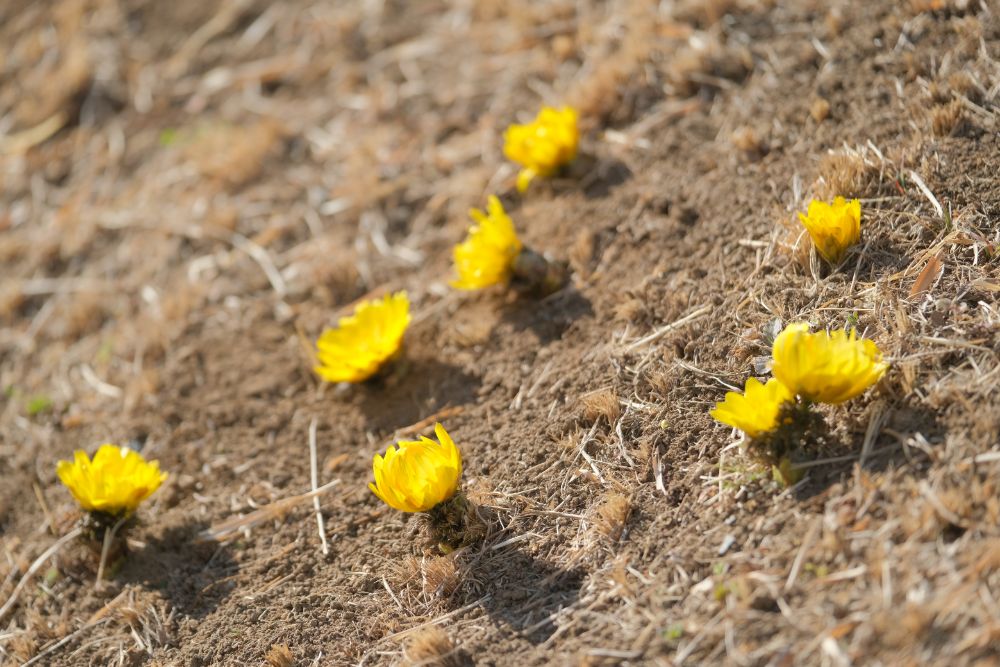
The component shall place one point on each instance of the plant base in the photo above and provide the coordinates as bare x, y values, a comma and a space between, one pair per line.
391, 370
533, 274
796, 422
455, 523
799, 426
97, 527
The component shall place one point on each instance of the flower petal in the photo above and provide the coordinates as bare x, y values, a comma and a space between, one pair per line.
417, 475
363, 341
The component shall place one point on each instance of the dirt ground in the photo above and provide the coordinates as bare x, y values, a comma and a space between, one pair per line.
190, 191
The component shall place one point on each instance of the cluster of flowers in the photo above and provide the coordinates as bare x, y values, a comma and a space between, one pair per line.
808, 368
413, 476
423, 475
491, 254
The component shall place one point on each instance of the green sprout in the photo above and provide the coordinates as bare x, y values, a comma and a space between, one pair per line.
673, 632
38, 404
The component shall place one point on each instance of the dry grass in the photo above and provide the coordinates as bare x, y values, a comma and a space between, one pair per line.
946, 119
233, 156
581, 255
750, 143
707, 63
601, 403
612, 515
432, 647
850, 173
819, 109
11, 300
24, 646
964, 84
146, 620
956, 6
163, 239
279, 655
602, 95
629, 309
430, 578
705, 13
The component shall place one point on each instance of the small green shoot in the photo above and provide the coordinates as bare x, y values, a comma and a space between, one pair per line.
818, 571
38, 404
168, 136
786, 474
673, 632
104, 352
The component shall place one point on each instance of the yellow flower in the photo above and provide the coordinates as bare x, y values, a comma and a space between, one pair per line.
418, 474
362, 342
543, 145
756, 411
115, 481
825, 367
833, 227
485, 258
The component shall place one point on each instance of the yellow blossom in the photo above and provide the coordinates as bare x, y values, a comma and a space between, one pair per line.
485, 258
833, 227
826, 367
543, 145
116, 481
756, 411
364, 341
417, 475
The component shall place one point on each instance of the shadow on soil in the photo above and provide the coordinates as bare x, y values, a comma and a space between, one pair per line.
522, 592
189, 573
550, 317
595, 176
879, 256
907, 423
605, 174
413, 390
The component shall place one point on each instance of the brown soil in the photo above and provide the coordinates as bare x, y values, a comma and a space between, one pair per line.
190, 190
